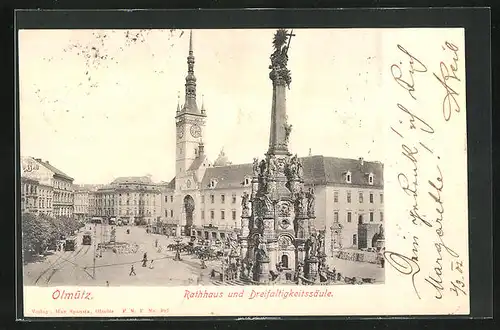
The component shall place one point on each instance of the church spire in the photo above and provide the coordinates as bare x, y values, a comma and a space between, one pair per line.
190, 103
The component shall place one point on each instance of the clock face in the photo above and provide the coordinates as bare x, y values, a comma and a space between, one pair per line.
188, 183
195, 131
180, 132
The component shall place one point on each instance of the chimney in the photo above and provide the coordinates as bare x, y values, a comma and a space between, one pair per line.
38, 159
361, 161
310, 152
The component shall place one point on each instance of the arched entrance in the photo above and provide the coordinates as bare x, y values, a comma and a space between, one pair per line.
189, 209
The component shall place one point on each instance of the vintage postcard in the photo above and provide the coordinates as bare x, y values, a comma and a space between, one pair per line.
243, 172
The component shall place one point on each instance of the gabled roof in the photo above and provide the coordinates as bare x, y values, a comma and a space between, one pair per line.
197, 163
53, 169
318, 170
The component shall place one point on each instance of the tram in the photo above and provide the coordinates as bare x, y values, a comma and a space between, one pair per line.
87, 239
70, 244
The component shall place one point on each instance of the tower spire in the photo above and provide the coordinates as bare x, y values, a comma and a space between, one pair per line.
190, 42
178, 102
190, 103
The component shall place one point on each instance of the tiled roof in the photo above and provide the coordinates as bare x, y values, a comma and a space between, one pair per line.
53, 169
197, 163
133, 180
227, 176
318, 170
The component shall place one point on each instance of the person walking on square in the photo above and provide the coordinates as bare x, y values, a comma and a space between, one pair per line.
132, 271
144, 260
151, 265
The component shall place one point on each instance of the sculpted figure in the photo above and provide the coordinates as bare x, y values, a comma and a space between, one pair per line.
261, 249
244, 204
321, 244
310, 202
256, 167
314, 240
300, 170
263, 166
272, 165
288, 130
308, 248
301, 201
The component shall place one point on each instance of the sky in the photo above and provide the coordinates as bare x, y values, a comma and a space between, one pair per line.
100, 104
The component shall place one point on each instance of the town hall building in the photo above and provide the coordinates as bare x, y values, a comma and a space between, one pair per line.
204, 198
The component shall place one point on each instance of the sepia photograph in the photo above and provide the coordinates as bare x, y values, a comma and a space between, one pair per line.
242, 172
193, 172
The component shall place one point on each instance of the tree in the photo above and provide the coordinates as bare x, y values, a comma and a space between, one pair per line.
35, 233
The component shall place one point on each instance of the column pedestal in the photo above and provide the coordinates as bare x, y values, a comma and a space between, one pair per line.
263, 275
311, 271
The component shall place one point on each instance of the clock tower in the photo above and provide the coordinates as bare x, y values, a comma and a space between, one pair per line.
190, 123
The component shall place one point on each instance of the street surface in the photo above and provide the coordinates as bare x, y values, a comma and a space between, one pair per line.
113, 269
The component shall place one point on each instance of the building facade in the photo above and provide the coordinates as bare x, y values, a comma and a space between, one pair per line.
54, 188
81, 209
29, 195
130, 199
204, 198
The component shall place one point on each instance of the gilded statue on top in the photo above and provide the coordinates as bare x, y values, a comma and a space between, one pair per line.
279, 58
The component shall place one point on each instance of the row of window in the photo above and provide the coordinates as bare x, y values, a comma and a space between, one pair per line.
360, 197
62, 185
234, 199
222, 214
360, 219
63, 197
222, 199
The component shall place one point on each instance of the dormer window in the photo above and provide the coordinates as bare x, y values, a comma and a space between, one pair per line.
213, 183
370, 178
348, 177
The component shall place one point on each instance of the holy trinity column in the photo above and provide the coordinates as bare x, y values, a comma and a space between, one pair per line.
278, 208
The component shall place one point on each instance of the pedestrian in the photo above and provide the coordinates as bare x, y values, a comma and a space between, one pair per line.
132, 271
107, 283
156, 242
151, 265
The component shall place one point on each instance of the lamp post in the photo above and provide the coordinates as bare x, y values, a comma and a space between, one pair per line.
95, 242
332, 240
177, 256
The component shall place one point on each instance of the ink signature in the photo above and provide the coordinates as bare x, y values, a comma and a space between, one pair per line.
405, 265
448, 72
415, 66
411, 188
426, 127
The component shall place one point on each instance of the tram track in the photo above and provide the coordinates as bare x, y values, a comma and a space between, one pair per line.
57, 263
64, 261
